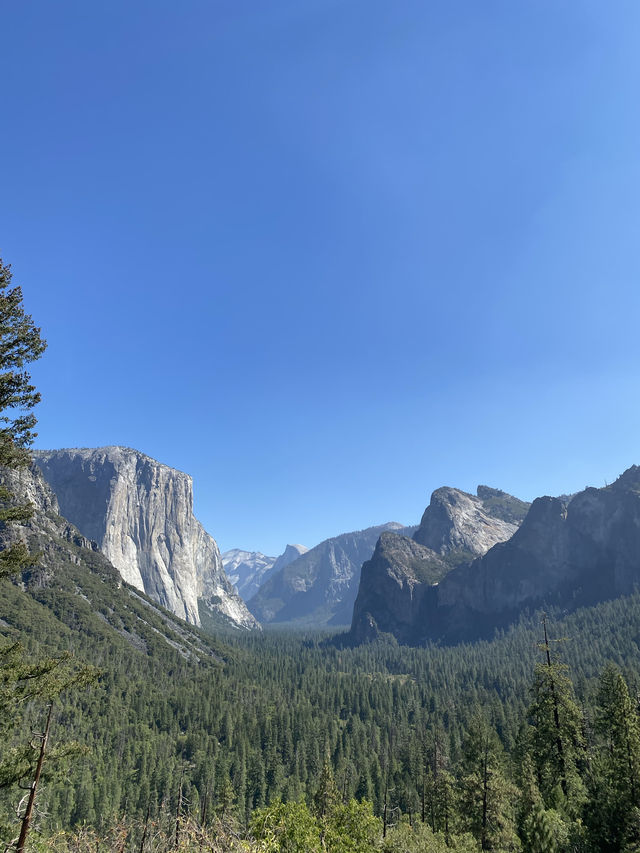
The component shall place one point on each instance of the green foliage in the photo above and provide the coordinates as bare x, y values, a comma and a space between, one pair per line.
351, 828
292, 828
419, 838
556, 740
20, 344
541, 830
286, 828
614, 808
260, 720
486, 796
501, 505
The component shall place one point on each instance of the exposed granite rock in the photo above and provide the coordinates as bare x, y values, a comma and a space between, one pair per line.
76, 582
290, 553
394, 588
246, 570
565, 555
140, 513
49, 536
319, 587
457, 521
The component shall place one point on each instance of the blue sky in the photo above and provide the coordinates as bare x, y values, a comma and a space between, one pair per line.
327, 256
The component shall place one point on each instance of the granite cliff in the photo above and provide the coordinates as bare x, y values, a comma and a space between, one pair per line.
469, 525
74, 588
455, 528
140, 513
563, 554
319, 587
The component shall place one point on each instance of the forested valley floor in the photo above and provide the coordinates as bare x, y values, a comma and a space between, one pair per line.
282, 741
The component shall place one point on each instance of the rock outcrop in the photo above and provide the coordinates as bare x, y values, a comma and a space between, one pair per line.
49, 536
565, 555
319, 587
290, 553
466, 524
140, 513
394, 587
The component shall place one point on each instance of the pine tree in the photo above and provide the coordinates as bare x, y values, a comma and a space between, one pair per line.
556, 740
22, 680
486, 796
540, 830
614, 809
437, 783
20, 344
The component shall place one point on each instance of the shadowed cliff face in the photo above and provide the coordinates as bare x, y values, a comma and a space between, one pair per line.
395, 589
567, 555
141, 515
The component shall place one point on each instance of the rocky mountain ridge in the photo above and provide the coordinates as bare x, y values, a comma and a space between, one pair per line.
455, 527
140, 513
563, 554
245, 569
248, 570
319, 587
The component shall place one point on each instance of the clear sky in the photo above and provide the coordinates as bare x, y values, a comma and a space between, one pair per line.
328, 255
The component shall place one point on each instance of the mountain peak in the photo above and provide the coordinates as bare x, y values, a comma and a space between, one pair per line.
458, 521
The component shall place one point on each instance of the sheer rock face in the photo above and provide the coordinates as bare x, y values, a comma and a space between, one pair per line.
140, 513
395, 585
69, 563
290, 553
457, 521
319, 587
567, 555
47, 534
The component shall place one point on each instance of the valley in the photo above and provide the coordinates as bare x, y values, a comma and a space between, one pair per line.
219, 722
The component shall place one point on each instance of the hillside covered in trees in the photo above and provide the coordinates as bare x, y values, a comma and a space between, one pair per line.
494, 741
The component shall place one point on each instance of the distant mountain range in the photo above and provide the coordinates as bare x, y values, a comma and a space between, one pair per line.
474, 563
247, 570
319, 587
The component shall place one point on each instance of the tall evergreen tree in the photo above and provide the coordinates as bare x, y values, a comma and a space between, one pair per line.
614, 810
556, 739
486, 796
22, 680
20, 344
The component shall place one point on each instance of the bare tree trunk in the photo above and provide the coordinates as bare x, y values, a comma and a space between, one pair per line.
556, 716
485, 782
384, 813
146, 826
179, 809
26, 820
